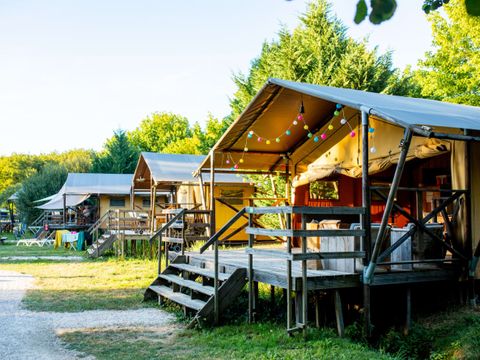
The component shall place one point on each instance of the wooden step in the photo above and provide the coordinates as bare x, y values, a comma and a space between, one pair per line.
207, 290
199, 271
178, 297
172, 240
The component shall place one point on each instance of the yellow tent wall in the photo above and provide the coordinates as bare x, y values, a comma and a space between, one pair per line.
190, 194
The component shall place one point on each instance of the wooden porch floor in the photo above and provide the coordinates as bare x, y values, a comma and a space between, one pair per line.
273, 271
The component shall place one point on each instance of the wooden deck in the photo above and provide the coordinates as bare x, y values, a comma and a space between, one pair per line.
273, 271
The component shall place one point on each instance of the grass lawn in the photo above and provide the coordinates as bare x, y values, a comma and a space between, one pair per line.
80, 285
11, 249
119, 284
259, 341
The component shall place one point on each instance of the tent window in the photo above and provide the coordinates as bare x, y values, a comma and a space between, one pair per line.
118, 202
232, 197
146, 203
324, 190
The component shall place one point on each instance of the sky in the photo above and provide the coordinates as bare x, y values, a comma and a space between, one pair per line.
72, 71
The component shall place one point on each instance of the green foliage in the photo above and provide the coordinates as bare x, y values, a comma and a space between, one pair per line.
171, 133
119, 156
319, 51
159, 130
382, 10
418, 344
451, 72
14, 169
42, 184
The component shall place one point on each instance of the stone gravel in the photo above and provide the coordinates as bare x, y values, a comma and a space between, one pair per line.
32, 335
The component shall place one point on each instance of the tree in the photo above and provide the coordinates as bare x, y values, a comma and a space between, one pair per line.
319, 51
451, 72
160, 130
46, 182
119, 156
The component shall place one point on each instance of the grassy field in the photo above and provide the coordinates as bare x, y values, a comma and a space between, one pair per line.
10, 249
119, 284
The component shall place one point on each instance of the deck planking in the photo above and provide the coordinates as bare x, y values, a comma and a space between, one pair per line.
272, 271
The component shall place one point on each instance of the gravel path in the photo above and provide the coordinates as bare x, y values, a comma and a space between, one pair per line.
32, 335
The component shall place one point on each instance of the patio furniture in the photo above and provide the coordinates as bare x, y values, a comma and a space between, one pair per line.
69, 240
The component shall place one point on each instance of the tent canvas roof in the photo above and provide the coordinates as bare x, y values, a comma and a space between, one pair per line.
277, 104
79, 186
172, 169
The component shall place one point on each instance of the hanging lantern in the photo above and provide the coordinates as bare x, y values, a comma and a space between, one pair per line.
288, 132
295, 122
343, 121
245, 149
305, 127
227, 162
339, 106
241, 161
267, 142
373, 149
323, 136
330, 127
352, 134
310, 135
371, 130
336, 113
235, 166
277, 140
259, 139
315, 139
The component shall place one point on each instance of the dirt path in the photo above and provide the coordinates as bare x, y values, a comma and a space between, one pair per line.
32, 335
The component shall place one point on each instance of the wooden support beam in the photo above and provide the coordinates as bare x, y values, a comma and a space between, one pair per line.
339, 313
366, 198
408, 311
251, 239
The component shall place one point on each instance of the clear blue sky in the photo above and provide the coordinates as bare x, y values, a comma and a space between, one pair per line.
72, 71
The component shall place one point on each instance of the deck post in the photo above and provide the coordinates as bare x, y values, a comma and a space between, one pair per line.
64, 209
216, 305
366, 200
289, 275
159, 253
304, 281
339, 313
408, 311
183, 234
251, 308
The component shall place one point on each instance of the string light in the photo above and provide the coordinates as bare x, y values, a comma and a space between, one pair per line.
300, 117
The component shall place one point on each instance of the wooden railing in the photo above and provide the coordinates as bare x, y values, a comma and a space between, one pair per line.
182, 228
290, 233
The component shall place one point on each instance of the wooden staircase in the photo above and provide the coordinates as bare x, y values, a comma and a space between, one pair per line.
104, 243
190, 284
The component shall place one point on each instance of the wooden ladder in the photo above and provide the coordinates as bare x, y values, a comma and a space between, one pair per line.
191, 285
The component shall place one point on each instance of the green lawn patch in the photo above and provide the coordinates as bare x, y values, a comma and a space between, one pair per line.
86, 285
259, 341
11, 249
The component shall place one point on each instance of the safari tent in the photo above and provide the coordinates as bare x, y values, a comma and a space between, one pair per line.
86, 197
169, 180
411, 216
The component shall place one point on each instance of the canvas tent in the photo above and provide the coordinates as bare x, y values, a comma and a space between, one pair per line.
80, 186
428, 127
173, 173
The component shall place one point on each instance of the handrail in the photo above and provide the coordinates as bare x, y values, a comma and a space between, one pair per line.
97, 223
167, 225
224, 228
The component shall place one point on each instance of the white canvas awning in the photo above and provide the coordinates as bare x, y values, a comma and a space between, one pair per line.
80, 186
